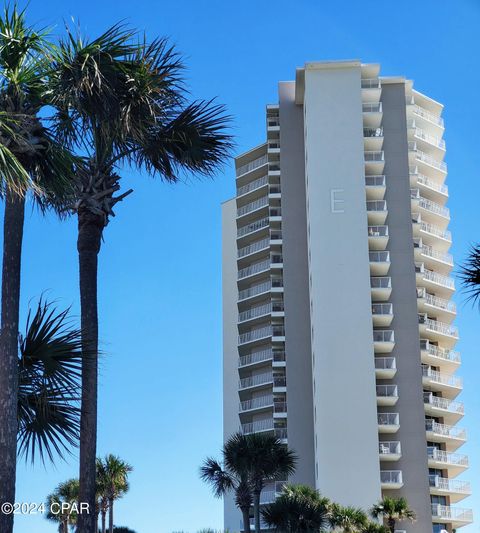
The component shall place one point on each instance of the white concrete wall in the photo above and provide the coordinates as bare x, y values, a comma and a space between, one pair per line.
345, 419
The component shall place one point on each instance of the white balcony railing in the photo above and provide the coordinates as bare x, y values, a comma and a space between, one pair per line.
254, 247
445, 430
261, 356
385, 363
389, 448
248, 167
391, 476
254, 226
376, 205
388, 419
382, 309
261, 333
439, 327
253, 185
379, 257
447, 512
387, 391
255, 312
436, 301
435, 254
373, 132
434, 119
370, 83
443, 403
429, 160
372, 107
383, 336
436, 351
430, 206
427, 182
255, 290
441, 456
435, 230
381, 282
258, 379
378, 231
254, 269
430, 139
449, 485
374, 156
441, 378
258, 425
375, 181
440, 279
252, 206
257, 403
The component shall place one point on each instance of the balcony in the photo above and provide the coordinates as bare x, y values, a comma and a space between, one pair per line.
387, 395
389, 450
443, 286
276, 357
450, 410
379, 263
382, 314
253, 227
388, 422
371, 89
433, 259
372, 138
451, 515
253, 207
438, 192
426, 163
438, 331
444, 309
455, 463
375, 187
258, 380
449, 384
385, 367
273, 123
381, 288
258, 426
430, 211
252, 270
377, 237
252, 165
432, 144
257, 404
437, 356
254, 185
391, 479
431, 234
274, 309
273, 146
374, 162
255, 290
452, 436
377, 212
262, 333
457, 490
372, 114
383, 340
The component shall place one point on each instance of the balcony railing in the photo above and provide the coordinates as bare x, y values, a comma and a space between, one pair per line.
248, 167
389, 448
261, 310
391, 476
370, 83
449, 485
252, 206
378, 231
255, 290
258, 379
428, 205
273, 122
452, 432
257, 403
442, 378
373, 132
382, 309
435, 277
435, 254
388, 419
387, 391
261, 333
427, 182
447, 512
374, 156
375, 181
435, 230
442, 353
254, 226
385, 363
431, 139
376, 205
379, 257
429, 160
436, 301
443, 403
372, 107
441, 456
434, 119
439, 327
381, 282
258, 425
254, 247
383, 336
254, 269
260, 356
253, 185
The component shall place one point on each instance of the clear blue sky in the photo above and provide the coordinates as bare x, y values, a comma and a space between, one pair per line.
160, 284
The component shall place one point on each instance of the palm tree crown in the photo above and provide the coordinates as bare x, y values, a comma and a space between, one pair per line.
393, 510
470, 274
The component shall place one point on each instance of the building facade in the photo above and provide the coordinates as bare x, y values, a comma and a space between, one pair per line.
338, 334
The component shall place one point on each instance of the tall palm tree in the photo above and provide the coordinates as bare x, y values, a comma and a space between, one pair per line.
113, 482
470, 274
121, 101
393, 510
348, 519
30, 161
266, 458
62, 500
299, 508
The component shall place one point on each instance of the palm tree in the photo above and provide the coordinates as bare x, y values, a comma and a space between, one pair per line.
373, 527
121, 101
470, 274
234, 478
299, 508
348, 519
30, 160
393, 510
266, 458
113, 483
60, 505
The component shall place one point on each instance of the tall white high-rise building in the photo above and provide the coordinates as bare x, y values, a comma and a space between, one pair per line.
338, 334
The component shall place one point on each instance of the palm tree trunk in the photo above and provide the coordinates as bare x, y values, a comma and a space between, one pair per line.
391, 525
110, 515
96, 520
246, 519
104, 520
12, 252
90, 229
256, 509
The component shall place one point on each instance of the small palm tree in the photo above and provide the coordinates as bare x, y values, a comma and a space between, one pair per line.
112, 475
299, 508
373, 527
60, 505
348, 519
393, 510
234, 478
121, 102
470, 274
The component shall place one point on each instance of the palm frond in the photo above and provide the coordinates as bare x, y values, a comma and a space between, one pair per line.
217, 477
470, 275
